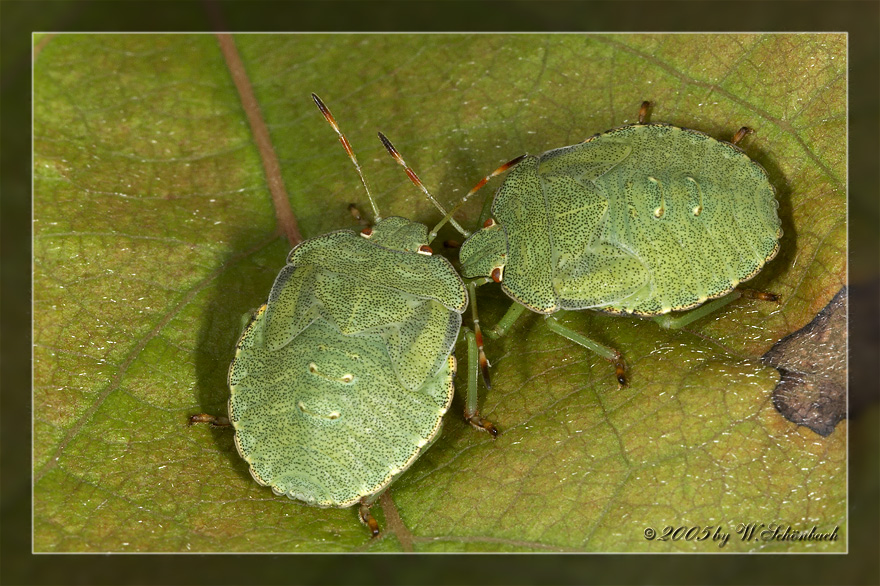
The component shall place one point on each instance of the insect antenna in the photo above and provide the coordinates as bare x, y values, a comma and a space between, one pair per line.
329, 117
476, 188
448, 215
418, 182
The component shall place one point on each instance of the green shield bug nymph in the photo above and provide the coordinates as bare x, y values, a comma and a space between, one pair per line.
341, 379
643, 220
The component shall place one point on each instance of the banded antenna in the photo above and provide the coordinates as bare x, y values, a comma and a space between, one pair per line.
329, 117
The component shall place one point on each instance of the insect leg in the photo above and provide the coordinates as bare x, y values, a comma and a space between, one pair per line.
674, 322
484, 362
741, 134
643, 111
365, 516
509, 318
671, 322
471, 412
603, 351
214, 420
679, 321
759, 295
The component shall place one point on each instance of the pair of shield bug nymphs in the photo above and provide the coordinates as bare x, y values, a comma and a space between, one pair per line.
341, 379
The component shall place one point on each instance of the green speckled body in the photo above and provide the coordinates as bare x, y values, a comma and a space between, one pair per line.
341, 380
644, 219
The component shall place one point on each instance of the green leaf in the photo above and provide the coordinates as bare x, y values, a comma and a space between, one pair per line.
155, 232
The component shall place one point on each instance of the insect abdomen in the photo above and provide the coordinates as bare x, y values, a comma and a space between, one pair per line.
686, 218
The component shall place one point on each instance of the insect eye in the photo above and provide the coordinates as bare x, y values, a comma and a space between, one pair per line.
367, 232
426, 250
497, 274
489, 223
